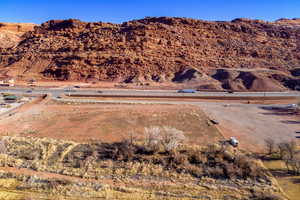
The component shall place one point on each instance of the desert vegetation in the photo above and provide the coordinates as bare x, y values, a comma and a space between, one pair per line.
282, 160
162, 156
287, 152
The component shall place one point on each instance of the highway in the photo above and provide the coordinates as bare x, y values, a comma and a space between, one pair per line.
55, 92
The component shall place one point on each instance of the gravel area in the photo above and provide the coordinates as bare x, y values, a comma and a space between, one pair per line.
251, 124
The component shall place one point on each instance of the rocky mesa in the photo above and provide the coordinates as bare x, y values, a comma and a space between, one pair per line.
241, 54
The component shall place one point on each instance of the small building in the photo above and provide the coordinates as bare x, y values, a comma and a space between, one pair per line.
7, 82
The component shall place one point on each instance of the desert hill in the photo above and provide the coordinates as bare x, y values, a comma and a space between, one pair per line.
11, 33
242, 54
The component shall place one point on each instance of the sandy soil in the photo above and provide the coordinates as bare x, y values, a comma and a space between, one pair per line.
108, 123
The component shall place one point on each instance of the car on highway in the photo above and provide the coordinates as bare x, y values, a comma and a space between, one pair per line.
29, 91
292, 106
70, 90
99, 91
76, 86
230, 91
187, 91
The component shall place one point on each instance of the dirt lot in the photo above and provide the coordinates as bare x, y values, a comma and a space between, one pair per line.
108, 123
251, 124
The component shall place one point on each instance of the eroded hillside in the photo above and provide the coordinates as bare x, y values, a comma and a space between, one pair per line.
242, 54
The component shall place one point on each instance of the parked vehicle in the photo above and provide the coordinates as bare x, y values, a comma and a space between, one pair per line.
187, 91
214, 121
233, 141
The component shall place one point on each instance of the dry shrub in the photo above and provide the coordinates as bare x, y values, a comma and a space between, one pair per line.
196, 157
153, 138
265, 196
249, 168
177, 159
216, 172
231, 171
119, 151
3, 149
195, 171
172, 138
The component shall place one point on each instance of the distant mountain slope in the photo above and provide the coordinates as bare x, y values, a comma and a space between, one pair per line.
249, 54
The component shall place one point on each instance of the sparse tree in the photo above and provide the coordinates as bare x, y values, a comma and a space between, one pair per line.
270, 146
288, 153
281, 150
291, 149
296, 164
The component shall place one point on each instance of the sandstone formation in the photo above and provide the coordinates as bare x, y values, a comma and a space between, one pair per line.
242, 54
10, 33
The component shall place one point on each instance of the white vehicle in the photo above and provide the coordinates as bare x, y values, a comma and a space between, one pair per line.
234, 142
292, 106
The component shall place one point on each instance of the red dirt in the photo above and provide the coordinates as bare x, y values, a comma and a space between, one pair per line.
107, 123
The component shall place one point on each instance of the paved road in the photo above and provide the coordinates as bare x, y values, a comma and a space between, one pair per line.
147, 93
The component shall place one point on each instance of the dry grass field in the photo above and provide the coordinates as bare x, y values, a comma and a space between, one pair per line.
290, 184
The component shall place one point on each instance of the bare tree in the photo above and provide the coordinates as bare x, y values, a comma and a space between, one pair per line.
291, 149
270, 146
171, 138
296, 164
288, 153
153, 137
281, 150
167, 137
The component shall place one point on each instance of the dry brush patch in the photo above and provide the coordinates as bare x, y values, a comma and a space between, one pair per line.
283, 161
213, 169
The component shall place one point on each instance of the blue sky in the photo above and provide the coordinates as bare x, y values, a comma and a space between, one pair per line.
117, 11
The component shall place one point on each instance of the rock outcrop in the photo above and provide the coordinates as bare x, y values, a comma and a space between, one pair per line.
160, 49
11, 33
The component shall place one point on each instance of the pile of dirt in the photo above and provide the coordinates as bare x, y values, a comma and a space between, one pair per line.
11, 33
240, 80
159, 50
